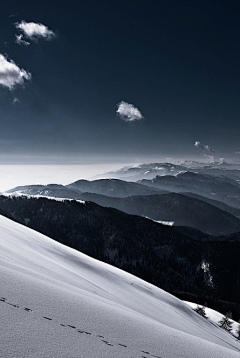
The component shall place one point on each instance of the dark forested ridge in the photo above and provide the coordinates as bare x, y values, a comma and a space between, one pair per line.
159, 254
178, 208
209, 216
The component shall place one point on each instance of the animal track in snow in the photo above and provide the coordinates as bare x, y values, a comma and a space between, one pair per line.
26, 309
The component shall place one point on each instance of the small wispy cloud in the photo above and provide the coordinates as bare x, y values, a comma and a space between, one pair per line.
13, 15
237, 152
11, 75
128, 112
16, 100
206, 147
20, 41
33, 31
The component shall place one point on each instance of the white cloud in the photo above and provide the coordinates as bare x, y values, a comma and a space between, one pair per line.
198, 144
11, 75
20, 41
33, 31
237, 152
128, 112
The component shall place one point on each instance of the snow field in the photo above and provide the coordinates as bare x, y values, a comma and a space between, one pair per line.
58, 302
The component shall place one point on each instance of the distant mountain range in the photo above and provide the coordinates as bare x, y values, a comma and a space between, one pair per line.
114, 188
151, 170
159, 254
218, 204
108, 187
193, 210
217, 188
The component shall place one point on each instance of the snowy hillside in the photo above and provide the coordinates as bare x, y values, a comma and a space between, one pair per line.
57, 302
216, 317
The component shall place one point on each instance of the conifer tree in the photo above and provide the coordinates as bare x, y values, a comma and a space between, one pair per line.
225, 323
238, 332
201, 311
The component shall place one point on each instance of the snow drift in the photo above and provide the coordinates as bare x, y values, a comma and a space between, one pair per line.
57, 302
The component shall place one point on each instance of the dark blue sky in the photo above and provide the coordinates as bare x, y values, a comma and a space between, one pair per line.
176, 61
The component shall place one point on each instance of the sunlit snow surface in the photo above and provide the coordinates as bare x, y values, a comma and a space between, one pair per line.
168, 223
19, 193
215, 316
57, 302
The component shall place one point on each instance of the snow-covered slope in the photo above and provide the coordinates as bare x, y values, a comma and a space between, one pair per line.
57, 302
216, 316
